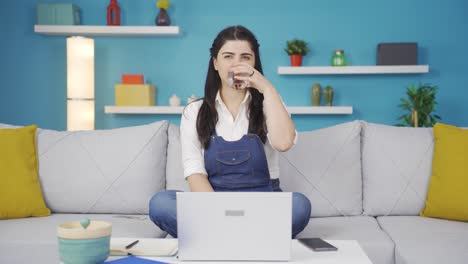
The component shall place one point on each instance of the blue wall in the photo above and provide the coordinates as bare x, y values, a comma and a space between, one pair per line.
33, 67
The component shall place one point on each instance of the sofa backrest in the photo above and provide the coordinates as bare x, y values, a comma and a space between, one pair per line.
396, 168
349, 169
325, 165
102, 171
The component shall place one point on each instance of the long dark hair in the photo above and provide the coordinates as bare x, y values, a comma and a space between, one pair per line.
208, 116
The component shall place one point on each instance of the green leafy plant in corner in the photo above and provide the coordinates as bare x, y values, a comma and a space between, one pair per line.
296, 46
420, 104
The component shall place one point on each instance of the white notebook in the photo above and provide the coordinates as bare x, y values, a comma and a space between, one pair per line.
144, 247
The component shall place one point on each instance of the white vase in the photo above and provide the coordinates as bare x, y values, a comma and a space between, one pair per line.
174, 100
191, 99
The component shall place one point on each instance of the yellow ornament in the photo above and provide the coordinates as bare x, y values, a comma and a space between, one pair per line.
163, 4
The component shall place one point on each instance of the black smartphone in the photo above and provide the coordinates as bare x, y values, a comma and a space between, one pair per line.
317, 244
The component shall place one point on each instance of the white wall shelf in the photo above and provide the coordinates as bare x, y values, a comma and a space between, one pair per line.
143, 109
379, 69
134, 31
295, 110
320, 110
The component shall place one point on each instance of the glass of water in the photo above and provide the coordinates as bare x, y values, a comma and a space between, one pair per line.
234, 83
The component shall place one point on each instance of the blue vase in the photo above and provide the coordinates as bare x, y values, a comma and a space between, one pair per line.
163, 18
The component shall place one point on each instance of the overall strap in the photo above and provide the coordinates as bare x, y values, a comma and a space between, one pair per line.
250, 130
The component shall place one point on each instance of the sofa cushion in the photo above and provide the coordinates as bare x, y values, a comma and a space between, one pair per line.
427, 240
365, 229
20, 188
175, 179
102, 171
447, 195
396, 167
325, 165
27, 239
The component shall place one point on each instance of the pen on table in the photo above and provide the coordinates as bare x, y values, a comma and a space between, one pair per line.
129, 246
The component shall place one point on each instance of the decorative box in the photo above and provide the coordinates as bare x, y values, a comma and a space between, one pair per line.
58, 14
135, 95
405, 53
132, 79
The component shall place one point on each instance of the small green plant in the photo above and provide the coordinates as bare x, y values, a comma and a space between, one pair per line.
296, 46
420, 105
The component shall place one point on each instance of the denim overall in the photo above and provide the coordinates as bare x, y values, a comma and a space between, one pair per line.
239, 165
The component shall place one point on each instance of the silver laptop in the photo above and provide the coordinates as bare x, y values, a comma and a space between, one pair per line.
234, 225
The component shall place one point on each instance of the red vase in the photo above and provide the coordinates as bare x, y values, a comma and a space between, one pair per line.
296, 59
113, 14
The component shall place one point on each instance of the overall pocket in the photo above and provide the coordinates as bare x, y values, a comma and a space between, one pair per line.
233, 164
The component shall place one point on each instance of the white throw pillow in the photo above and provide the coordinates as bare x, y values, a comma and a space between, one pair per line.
102, 171
396, 166
325, 165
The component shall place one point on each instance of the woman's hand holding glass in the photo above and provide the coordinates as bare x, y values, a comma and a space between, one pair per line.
242, 76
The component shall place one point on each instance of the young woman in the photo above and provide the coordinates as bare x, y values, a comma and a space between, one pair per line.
231, 137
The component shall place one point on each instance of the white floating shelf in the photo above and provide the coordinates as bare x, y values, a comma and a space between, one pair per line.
384, 69
135, 31
295, 110
320, 110
143, 109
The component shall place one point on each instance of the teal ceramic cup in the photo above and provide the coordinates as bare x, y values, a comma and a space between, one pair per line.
89, 244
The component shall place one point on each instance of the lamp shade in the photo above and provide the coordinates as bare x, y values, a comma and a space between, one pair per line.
80, 83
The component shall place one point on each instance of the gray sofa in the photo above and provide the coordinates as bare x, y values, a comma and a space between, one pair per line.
366, 182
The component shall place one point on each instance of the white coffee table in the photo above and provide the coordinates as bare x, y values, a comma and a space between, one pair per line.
349, 252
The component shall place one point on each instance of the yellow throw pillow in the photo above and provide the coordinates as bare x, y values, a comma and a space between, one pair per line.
447, 196
20, 191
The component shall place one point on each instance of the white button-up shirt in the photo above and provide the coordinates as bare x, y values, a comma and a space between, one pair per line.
227, 127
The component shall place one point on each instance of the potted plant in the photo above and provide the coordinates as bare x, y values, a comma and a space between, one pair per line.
420, 105
296, 48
